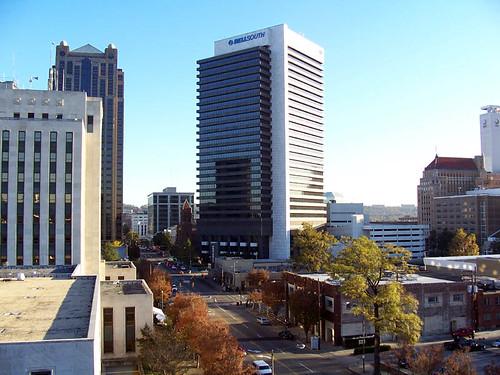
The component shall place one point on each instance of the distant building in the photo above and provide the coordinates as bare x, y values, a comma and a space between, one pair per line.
185, 229
410, 235
445, 176
50, 185
96, 72
345, 219
478, 212
165, 208
490, 137
139, 223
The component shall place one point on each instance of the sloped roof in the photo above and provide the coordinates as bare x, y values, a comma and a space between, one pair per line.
186, 205
441, 162
87, 48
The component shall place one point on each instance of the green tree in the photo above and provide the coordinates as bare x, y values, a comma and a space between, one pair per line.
463, 244
109, 251
385, 304
163, 240
163, 350
443, 242
132, 240
311, 248
304, 307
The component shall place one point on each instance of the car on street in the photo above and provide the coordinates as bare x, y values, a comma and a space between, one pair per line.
300, 346
263, 321
261, 367
496, 343
286, 335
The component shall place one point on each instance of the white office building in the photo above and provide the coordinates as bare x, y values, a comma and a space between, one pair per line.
409, 235
50, 178
345, 219
139, 222
490, 137
260, 141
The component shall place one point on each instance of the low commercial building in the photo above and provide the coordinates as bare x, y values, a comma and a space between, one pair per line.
49, 324
443, 305
139, 223
127, 307
120, 270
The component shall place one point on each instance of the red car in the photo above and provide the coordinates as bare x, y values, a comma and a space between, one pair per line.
463, 332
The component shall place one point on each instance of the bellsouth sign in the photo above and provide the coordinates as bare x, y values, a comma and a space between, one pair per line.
247, 38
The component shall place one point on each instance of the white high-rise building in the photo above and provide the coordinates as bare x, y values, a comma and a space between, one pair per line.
260, 142
50, 178
490, 137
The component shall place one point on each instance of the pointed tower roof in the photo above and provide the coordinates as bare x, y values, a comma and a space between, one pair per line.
186, 205
87, 48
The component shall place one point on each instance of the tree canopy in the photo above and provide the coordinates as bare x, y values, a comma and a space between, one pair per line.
256, 277
273, 294
304, 307
109, 251
311, 248
164, 351
463, 243
361, 266
158, 282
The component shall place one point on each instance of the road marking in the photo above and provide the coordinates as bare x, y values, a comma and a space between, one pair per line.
307, 368
244, 325
259, 336
231, 315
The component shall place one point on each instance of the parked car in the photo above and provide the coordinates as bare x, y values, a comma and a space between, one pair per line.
464, 332
261, 367
496, 343
474, 346
263, 321
286, 335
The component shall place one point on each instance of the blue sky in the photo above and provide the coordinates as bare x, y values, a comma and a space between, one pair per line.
402, 79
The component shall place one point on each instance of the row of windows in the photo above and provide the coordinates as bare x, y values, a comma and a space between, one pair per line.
31, 115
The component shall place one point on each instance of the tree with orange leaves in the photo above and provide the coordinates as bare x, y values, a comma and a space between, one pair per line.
158, 282
256, 277
273, 294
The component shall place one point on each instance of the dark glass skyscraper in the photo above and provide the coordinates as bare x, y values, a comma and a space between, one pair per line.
234, 152
95, 72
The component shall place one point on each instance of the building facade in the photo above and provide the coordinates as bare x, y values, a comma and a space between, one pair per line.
476, 212
96, 73
410, 235
165, 209
490, 137
139, 223
260, 143
345, 219
445, 176
50, 178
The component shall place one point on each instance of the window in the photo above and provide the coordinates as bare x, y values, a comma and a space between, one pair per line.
487, 301
121, 278
107, 278
130, 329
45, 116
59, 116
329, 304
17, 115
487, 316
52, 198
41, 372
67, 198
38, 136
31, 115
90, 120
53, 136
69, 157
458, 297
432, 300
108, 330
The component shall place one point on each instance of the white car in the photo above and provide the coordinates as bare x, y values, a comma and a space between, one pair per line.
263, 321
262, 368
496, 343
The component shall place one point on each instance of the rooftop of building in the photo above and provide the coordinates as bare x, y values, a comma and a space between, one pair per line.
45, 308
120, 264
492, 192
443, 162
124, 287
414, 278
37, 271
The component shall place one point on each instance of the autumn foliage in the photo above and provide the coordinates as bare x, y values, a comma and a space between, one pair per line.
273, 294
304, 307
159, 281
211, 340
256, 277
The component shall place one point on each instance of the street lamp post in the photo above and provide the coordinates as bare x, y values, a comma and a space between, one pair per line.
364, 340
272, 361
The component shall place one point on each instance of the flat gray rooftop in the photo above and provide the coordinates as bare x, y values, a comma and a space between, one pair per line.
122, 287
45, 308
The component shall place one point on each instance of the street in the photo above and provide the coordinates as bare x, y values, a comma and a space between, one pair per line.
259, 341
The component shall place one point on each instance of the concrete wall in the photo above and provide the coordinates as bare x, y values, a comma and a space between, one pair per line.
143, 304
115, 270
64, 357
